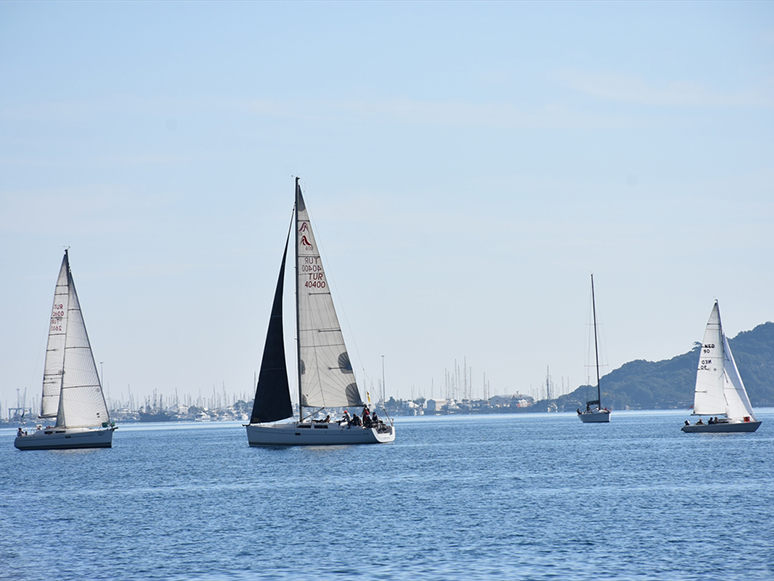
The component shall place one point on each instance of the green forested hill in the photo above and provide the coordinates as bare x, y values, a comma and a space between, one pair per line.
669, 384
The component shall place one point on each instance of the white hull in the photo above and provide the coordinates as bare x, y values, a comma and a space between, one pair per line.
595, 417
315, 434
722, 427
66, 439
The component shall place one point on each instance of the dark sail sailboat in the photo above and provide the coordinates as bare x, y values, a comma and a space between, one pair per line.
325, 376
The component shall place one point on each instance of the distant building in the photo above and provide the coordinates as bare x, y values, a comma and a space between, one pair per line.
500, 401
511, 401
433, 406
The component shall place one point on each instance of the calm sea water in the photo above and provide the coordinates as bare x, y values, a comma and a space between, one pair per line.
467, 497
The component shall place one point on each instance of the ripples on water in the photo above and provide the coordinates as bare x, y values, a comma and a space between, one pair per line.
536, 496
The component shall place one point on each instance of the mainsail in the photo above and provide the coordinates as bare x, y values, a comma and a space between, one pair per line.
325, 373
719, 387
70, 363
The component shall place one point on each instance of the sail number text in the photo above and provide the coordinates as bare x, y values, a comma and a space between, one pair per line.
313, 270
56, 317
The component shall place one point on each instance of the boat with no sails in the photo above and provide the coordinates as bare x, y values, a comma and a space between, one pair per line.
594, 412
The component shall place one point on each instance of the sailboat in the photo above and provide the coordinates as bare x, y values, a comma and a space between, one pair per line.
72, 393
324, 372
719, 391
594, 412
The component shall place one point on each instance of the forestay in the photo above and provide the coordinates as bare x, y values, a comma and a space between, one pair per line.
325, 372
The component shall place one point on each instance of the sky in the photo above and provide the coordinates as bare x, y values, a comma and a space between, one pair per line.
467, 166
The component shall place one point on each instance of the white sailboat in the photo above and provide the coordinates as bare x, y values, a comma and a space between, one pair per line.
594, 412
719, 391
72, 393
324, 371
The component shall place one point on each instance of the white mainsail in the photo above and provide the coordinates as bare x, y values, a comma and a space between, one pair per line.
325, 373
71, 381
55, 349
708, 397
719, 387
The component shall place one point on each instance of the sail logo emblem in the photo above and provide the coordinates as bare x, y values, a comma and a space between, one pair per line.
305, 242
304, 227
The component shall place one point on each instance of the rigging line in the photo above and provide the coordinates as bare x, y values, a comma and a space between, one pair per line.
387, 414
37, 361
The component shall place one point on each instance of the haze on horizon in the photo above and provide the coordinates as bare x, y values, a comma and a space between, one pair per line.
466, 166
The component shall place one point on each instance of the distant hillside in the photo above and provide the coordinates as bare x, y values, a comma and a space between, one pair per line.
669, 384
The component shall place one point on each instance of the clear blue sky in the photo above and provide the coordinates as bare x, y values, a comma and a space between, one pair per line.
467, 165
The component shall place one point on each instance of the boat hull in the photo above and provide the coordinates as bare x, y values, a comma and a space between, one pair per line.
595, 417
315, 434
721, 428
157, 417
66, 439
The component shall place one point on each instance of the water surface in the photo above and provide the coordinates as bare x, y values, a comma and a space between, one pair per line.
533, 496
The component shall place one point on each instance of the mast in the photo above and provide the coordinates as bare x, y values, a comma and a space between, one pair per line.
60, 414
596, 348
298, 323
722, 335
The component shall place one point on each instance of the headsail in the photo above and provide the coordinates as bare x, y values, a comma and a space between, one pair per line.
272, 394
325, 372
738, 404
81, 403
55, 349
